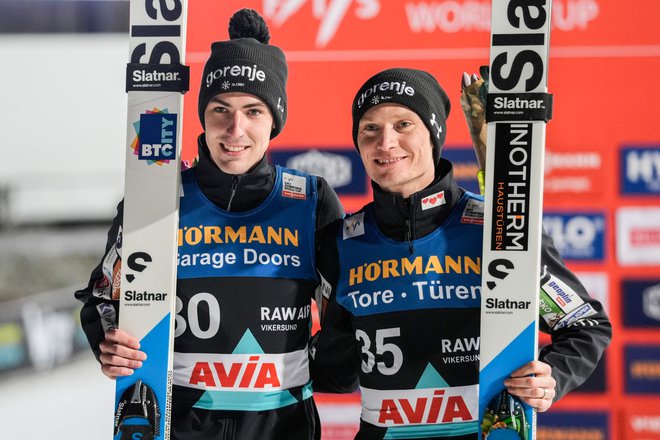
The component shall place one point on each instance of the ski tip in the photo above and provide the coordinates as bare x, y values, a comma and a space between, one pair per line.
247, 23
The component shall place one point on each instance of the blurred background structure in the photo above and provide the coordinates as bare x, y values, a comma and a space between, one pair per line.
63, 141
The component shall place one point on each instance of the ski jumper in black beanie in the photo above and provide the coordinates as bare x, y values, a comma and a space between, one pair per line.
403, 283
243, 322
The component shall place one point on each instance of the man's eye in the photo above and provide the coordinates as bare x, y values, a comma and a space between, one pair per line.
405, 124
254, 112
219, 109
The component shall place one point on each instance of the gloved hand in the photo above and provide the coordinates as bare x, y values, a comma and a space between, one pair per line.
473, 103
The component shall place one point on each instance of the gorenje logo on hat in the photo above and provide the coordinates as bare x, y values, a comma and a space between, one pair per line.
399, 88
249, 73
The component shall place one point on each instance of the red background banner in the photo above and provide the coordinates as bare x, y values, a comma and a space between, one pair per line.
603, 73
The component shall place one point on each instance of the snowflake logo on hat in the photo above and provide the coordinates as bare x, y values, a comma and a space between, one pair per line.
225, 85
435, 124
375, 100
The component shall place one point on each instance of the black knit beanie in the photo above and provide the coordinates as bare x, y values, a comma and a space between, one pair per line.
247, 63
415, 89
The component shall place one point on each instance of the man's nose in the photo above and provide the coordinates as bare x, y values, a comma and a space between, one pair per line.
389, 138
236, 127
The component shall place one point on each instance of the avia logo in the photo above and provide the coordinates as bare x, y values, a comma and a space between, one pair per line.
440, 410
239, 375
330, 13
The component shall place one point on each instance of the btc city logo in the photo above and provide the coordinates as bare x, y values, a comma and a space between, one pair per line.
155, 139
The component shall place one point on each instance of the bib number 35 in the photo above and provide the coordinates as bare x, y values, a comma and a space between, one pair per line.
382, 347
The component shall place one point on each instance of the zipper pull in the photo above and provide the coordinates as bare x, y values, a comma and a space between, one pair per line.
409, 237
234, 186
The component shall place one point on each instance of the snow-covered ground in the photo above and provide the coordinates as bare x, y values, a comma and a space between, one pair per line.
74, 402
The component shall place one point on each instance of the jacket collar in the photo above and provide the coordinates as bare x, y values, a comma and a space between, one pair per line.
233, 192
421, 213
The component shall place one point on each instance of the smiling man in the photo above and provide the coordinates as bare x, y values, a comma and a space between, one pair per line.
246, 261
403, 281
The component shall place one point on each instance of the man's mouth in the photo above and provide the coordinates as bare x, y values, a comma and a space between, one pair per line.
234, 148
388, 161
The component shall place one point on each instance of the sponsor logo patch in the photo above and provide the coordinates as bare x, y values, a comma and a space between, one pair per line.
473, 213
384, 91
433, 201
235, 75
293, 186
582, 312
108, 316
342, 169
354, 226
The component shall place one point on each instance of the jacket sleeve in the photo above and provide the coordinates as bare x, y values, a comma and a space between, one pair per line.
579, 337
334, 357
100, 312
328, 208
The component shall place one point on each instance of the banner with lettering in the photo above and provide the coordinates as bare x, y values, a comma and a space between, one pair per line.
602, 171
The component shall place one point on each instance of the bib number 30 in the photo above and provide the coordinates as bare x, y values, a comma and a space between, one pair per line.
192, 321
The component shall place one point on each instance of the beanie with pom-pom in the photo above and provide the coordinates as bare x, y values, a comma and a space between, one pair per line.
247, 63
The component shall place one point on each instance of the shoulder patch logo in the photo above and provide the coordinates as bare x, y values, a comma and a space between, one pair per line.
293, 186
354, 226
433, 201
473, 213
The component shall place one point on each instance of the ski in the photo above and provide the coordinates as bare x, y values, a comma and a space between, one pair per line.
518, 107
155, 82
